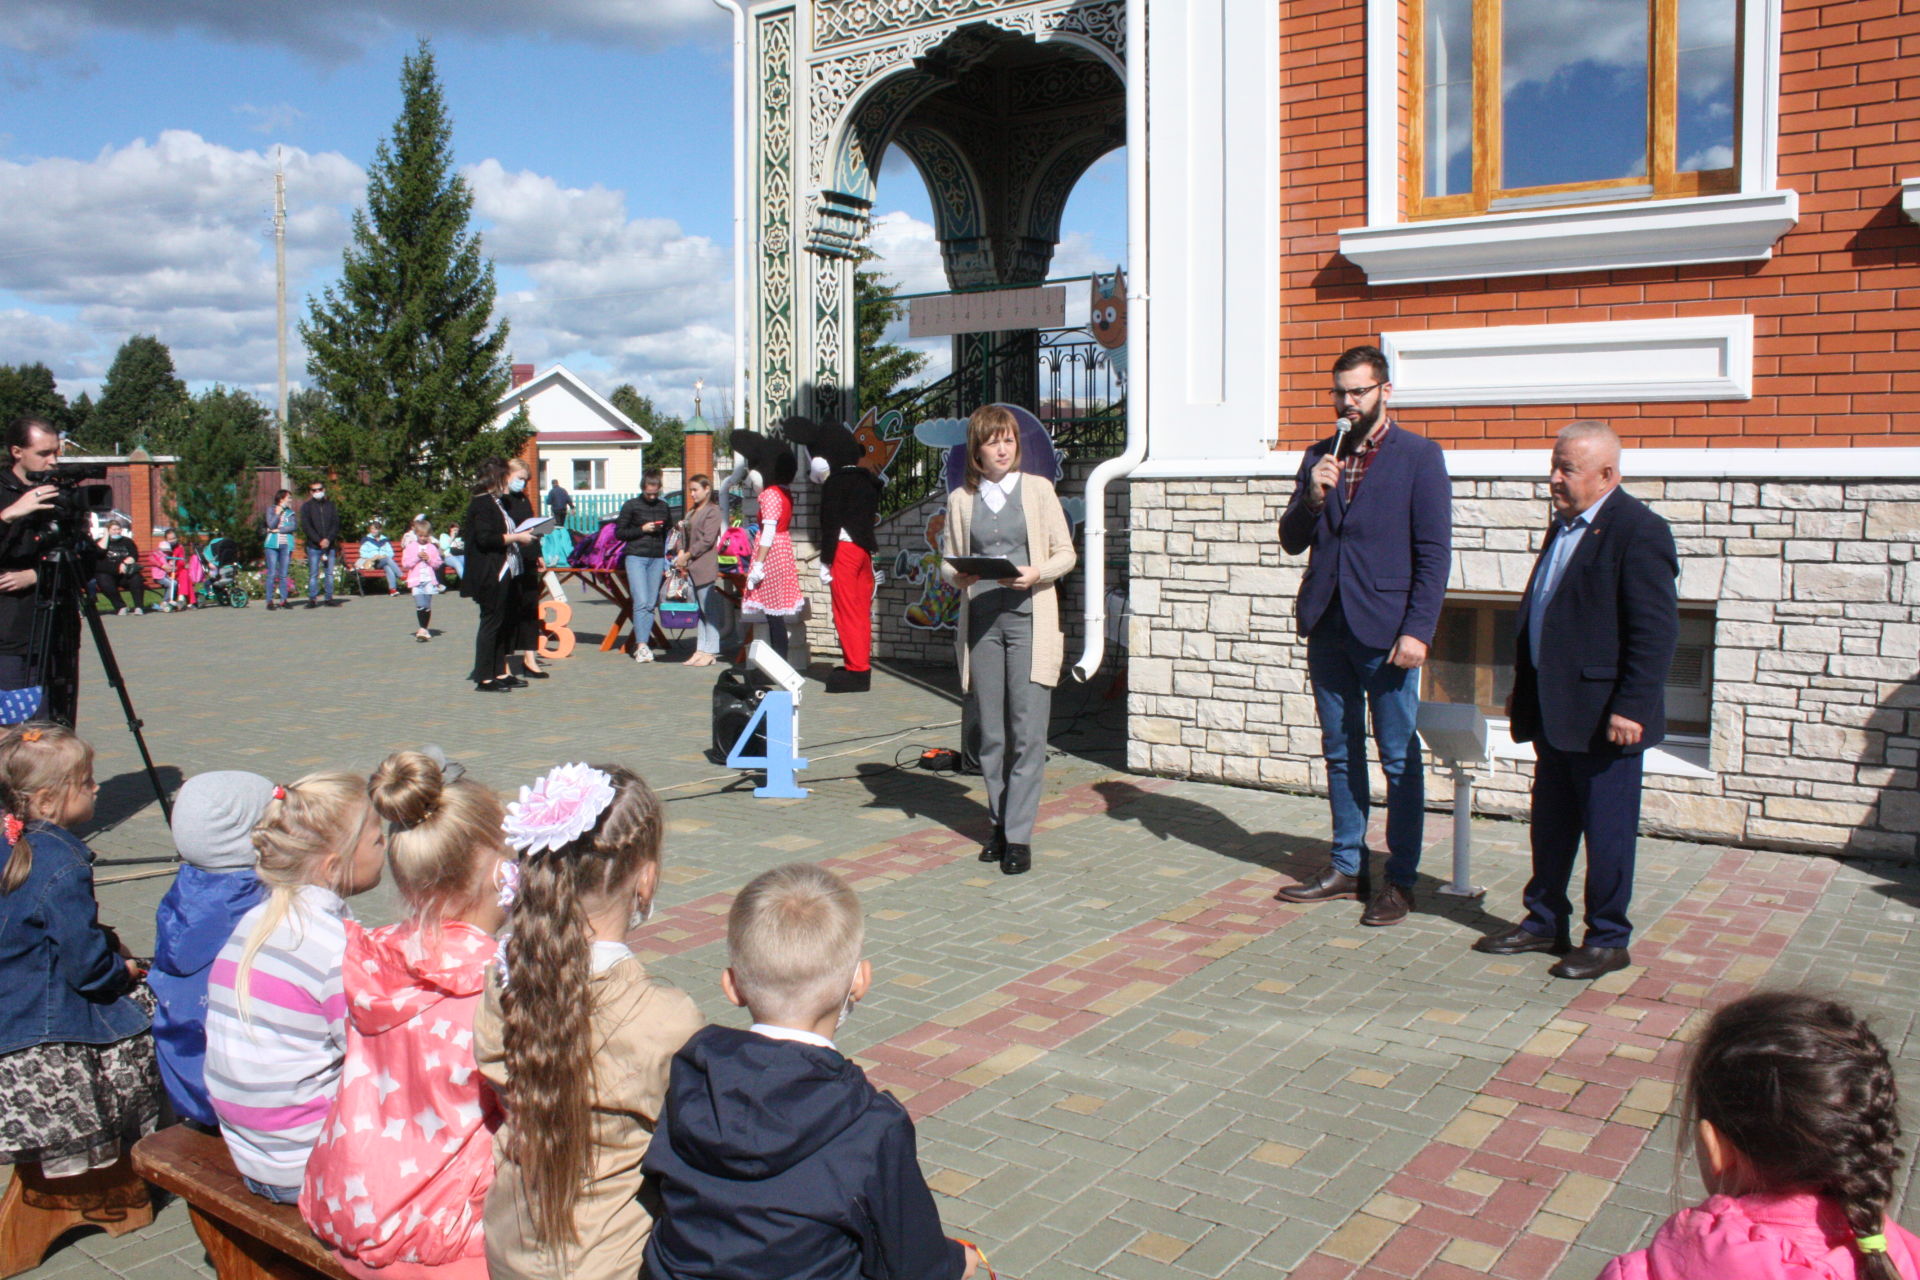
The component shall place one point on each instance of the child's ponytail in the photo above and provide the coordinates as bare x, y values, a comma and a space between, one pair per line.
1803, 1088
547, 1022
35, 758
304, 823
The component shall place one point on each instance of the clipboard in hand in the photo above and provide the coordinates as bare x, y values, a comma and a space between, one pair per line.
990, 568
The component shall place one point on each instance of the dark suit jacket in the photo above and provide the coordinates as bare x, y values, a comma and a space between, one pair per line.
485, 530
1608, 636
1388, 554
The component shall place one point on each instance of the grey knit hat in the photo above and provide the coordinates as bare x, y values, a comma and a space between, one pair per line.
214, 815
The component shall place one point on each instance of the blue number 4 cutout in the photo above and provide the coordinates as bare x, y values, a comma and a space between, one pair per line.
776, 713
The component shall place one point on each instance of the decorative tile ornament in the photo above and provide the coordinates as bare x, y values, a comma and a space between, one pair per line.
775, 388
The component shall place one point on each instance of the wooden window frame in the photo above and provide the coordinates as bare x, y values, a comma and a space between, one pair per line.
1662, 111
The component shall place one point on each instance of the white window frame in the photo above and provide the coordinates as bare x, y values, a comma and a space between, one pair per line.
1737, 227
593, 466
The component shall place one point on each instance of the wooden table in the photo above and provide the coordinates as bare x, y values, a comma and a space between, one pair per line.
611, 585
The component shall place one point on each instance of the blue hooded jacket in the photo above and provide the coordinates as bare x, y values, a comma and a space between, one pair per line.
775, 1158
195, 920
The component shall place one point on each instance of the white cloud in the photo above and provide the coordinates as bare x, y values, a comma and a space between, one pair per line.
173, 237
632, 299
337, 30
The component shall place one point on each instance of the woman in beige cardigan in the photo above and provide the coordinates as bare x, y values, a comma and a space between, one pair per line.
1009, 641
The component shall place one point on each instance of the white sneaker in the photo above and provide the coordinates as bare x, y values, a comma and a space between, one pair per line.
643, 654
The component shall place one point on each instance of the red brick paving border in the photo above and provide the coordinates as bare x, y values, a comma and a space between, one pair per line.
1493, 1195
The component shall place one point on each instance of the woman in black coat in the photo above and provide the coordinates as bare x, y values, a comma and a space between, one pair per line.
496, 558
525, 623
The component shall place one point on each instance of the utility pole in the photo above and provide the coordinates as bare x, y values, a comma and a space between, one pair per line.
280, 298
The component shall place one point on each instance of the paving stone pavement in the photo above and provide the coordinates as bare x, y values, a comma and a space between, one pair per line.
1130, 1063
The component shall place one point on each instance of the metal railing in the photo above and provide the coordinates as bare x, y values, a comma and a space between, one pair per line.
1063, 375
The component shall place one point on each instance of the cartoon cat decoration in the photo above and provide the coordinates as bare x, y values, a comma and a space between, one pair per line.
1108, 320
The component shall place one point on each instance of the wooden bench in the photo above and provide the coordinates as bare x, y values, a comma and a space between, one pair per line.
37, 1211
246, 1237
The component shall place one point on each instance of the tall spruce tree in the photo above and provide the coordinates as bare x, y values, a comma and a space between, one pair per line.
880, 367
142, 402
29, 389
404, 349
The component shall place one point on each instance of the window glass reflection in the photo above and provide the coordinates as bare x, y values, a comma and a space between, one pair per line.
1573, 91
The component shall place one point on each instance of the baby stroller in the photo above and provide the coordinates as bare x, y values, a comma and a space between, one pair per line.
220, 583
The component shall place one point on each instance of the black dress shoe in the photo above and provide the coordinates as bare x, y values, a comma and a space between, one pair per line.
1016, 860
1520, 939
491, 686
1328, 886
996, 846
1389, 906
1584, 964
844, 681
512, 682
528, 673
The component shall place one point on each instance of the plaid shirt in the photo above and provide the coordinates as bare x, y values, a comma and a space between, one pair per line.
1357, 464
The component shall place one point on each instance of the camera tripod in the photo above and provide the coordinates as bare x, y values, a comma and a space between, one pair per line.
61, 600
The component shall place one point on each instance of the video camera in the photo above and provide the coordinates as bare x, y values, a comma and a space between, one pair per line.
83, 492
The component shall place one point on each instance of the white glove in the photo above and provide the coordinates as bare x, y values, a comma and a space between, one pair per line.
879, 579
826, 574
756, 575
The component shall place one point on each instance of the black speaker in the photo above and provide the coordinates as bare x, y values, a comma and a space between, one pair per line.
736, 696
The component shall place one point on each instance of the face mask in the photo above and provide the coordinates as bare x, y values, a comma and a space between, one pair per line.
319, 494
640, 915
517, 484
846, 1006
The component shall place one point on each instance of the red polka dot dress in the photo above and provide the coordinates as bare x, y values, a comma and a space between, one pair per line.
778, 595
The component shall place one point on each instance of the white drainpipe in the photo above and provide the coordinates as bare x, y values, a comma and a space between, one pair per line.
739, 210
1139, 313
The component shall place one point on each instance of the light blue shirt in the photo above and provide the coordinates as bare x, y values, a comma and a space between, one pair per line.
1566, 538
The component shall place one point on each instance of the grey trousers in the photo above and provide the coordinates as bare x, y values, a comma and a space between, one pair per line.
1014, 712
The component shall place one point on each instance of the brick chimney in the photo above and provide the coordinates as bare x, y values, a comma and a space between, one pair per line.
522, 374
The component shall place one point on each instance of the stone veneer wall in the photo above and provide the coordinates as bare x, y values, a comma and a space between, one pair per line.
895, 641
1816, 695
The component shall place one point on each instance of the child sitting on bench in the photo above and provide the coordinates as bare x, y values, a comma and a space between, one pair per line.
276, 1015
398, 1180
78, 1085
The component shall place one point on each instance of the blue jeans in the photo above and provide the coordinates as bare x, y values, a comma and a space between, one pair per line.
320, 569
716, 633
392, 571
458, 562
279, 562
644, 575
279, 1195
1349, 678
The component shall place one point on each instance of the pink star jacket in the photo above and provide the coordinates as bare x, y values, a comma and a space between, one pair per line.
1791, 1237
399, 1177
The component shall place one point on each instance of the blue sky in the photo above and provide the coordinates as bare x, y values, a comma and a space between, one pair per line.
136, 159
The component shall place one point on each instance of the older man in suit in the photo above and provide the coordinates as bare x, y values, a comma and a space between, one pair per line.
1374, 505
1597, 631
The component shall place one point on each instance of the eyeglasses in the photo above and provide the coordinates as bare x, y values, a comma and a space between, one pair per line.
1354, 393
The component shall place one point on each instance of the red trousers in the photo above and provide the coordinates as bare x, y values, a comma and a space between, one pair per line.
853, 604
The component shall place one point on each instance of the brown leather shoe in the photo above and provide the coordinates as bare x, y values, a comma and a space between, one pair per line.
1328, 886
1389, 906
1584, 964
1520, 939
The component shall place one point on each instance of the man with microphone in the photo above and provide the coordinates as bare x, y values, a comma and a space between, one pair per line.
1373, 505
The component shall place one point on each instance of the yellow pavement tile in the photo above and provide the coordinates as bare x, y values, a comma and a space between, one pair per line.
1280, 1154
1471, 1254
1580, 1196
1468, 1129
1080, 1104
1372, 1079
1393, 1208
1359, 1239
1160, 1248
950, 1183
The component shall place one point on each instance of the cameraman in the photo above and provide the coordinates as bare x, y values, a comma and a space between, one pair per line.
26, 531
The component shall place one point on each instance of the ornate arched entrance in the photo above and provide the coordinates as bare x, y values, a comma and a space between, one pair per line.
1002, 106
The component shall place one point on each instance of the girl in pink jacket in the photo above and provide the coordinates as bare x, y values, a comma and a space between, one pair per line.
398, 1181
1794, 1116
420, 561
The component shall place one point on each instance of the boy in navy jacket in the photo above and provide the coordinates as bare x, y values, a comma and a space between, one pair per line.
774, 1155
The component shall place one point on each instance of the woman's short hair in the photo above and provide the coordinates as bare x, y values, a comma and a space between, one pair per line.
988, 423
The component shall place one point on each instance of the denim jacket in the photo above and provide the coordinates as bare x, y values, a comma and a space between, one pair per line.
61, 980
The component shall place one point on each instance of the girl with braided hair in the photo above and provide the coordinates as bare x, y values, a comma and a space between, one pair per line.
1794, 1115
573, 1033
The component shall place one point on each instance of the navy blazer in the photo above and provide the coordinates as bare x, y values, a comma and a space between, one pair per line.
1388, 553
1608, 635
